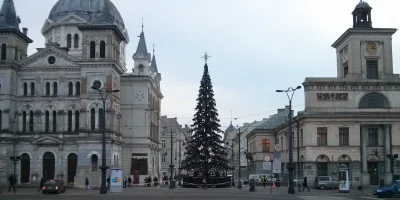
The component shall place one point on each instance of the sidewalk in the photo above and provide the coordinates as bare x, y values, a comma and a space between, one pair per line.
313, 192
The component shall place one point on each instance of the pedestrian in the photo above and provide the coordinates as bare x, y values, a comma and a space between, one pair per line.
264, 180
125, 181
305, 185
129, 182
87, 186
41, 184
11, 180
155, 180
108, 182
204, 183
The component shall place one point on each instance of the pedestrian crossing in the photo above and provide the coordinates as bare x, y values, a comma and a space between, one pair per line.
323, 197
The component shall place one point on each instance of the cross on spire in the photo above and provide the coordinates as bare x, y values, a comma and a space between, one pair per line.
154, 46
142, 25
206, 57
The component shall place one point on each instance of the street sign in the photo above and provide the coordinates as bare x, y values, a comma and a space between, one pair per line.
276, 167
267, 158
277, 155
266, 165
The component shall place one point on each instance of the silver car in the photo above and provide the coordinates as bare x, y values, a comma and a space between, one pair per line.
326, 182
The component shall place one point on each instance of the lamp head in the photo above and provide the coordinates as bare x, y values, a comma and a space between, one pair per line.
298, 87
395, 156
279, 90
115, 91
94, 88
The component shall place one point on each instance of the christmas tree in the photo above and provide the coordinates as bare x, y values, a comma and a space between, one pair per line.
205, 152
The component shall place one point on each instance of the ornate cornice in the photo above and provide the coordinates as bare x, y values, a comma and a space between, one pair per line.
351, 86
345, 35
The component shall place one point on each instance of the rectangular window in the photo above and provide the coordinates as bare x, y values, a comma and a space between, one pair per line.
301, 137
163, 158
163, 144
282, 143
345, 70
322, 169
344, 136
372, 137
372, 69
322, 136
266, 145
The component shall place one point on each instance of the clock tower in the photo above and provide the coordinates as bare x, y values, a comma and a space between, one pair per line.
364, 52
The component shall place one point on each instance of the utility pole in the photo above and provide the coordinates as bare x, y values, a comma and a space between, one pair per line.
171, 166
290, 165
239, 182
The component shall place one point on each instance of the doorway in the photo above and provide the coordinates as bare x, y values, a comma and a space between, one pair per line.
72, 164
373, 170
48, 166
25, 168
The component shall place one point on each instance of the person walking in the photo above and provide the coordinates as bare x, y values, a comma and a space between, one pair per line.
305, 185
264, 180
11, 180
41, 184
87, 186
129, 182
204, 183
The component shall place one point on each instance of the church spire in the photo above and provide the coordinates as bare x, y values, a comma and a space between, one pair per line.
153, 62
142, 48
8, 16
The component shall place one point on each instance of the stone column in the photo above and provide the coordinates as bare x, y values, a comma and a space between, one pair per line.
388, 170
365, 175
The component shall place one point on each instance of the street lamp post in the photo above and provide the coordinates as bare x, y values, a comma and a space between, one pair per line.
171, 166
392, 158
103, 167
290, 166
239, 182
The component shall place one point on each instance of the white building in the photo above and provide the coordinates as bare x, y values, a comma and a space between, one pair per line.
48, 109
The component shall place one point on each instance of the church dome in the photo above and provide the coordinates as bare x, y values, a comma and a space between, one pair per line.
363, 4
95, 12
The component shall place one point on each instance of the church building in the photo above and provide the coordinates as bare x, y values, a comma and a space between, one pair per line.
51, 116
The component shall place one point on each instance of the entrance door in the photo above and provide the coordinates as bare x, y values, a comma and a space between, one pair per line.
72, 163
135, 176
373, 173
25, 168
48, 166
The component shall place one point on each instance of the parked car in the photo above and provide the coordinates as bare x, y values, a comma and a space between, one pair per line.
326, 182
53, 186
393, 190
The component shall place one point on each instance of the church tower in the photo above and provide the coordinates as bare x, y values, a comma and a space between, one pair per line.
364, 52
141, 58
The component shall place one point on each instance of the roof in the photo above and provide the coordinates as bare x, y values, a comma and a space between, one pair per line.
362, 5
154, 64
142, 47
95, 12
8, 16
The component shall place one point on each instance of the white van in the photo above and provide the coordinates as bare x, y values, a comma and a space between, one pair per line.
258, 177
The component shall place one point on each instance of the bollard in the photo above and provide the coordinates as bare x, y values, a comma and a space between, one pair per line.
299, 187
270, 189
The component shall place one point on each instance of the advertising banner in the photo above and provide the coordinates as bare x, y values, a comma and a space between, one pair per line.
115, 180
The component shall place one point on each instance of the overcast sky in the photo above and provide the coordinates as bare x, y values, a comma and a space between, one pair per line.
257, 46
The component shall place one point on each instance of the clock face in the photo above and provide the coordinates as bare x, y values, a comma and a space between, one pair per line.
345, 55
371, 47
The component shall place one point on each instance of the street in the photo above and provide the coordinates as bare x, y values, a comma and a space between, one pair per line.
188, 193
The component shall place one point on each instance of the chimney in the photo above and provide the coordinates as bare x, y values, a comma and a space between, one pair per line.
25, 31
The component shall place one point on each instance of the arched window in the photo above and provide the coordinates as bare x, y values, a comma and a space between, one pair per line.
101, 119
47, 122
47, 89
92, 49
102, 49
3, 52
30, 121
92, 119
93, 160
25, 89
70, 89
55, 88
24, 121
32, 89
76, 41
54, 121
76, 121
374, 100
69, 121
78, 88
69, 40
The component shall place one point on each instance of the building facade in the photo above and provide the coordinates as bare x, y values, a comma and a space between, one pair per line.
180, 136
353, 118
49, 113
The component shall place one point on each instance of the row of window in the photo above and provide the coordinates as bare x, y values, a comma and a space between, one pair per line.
3, 54
372, 69
93, 49
76, 41
48, 89
51, 120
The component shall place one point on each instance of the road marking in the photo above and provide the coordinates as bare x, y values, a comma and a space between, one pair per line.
322, 197
369, 198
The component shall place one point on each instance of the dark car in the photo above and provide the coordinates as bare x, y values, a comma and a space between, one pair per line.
53, 186
393, 190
